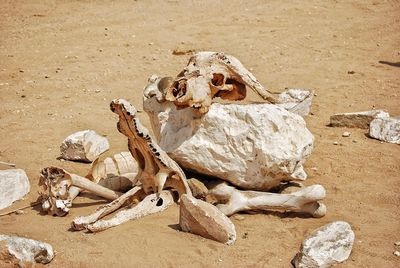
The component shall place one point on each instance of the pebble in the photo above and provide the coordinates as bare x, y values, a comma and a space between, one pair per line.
397, 253
346, 134
335, 143
314, 168
97, 90
397, 243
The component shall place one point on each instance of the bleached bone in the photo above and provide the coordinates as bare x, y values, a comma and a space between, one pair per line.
211, 74
149, 205
157, 171
82, 222
117, 172
61, 187
231, 200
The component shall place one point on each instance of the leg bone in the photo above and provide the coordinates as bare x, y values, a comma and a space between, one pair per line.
230, 200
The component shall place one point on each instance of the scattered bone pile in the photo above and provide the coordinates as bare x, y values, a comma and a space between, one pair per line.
240, 153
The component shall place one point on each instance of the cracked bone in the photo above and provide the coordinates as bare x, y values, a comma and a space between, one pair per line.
230, 200
149, 205
212, 74
157, 171
61, 187
254, 147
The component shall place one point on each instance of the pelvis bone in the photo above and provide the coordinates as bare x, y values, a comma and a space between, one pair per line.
210, 74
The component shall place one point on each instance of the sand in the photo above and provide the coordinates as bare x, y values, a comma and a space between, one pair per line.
62, 62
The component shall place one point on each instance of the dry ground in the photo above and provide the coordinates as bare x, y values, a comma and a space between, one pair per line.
55, 55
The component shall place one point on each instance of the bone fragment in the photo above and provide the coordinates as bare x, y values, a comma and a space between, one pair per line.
7, 164
149, 205
230, 200
81, 223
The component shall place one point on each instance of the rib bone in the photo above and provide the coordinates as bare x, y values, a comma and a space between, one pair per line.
150, 205
230, 200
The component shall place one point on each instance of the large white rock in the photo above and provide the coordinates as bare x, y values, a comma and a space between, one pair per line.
14, 184
252, 146
357, 119
385, 129
201, 218
27, 250
83, 146
297, 101
327, 246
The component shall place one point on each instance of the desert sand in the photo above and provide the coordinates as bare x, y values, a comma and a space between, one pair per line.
62, 62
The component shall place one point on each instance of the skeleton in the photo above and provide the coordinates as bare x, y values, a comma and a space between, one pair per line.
157, 171
226, 197
209, 75
60, 187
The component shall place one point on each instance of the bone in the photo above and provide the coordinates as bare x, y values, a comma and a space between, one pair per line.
149, 205
230, 200
209, 75
81, 223
61, 187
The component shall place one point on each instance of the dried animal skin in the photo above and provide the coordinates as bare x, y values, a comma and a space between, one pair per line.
211, 74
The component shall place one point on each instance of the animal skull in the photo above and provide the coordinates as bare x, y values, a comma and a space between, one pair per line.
209, 75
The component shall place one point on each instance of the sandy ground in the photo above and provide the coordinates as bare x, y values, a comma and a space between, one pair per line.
54, 56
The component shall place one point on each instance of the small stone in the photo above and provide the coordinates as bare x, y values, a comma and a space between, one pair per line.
27, 250
397, 243
346, 134
396, 253
14, 185
351, 72
354, 141
199, 190
314, 168
201, 218
335, 143
326, 246
83, 146
97, 91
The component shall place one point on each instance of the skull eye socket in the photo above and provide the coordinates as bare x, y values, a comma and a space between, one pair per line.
179, 88
217, 80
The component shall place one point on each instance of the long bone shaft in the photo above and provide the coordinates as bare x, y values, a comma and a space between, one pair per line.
230, 200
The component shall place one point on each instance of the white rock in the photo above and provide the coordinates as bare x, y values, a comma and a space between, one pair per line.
28, 250
252, 146
396, 253
385, 129
357, 119
83, 146
326, 246
297, 101
201, 218
14, 184
346, 134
